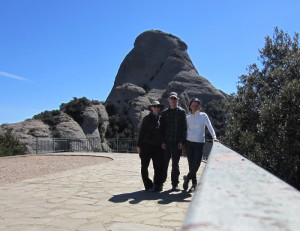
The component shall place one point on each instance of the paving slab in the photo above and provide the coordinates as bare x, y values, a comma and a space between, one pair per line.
107, 196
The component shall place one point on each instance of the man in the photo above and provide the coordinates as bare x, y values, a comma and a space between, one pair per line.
174, 129
149, 148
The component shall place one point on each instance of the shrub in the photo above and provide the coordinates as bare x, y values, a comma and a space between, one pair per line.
50, 118
10, 145
75, 108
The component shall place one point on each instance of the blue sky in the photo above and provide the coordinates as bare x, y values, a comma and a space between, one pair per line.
54, 50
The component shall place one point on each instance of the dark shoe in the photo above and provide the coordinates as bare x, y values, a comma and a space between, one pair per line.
158, 188
151, 190
185, 183
148, 189
175, 188
193, 188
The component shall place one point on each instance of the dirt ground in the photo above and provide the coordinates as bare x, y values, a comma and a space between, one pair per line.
17, 168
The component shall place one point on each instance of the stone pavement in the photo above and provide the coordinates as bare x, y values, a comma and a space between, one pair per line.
106, 196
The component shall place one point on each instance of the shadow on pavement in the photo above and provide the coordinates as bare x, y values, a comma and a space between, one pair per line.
164, 197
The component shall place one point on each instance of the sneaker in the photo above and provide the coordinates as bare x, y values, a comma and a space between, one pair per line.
185, 183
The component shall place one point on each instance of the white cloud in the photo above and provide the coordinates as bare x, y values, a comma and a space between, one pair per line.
12, 76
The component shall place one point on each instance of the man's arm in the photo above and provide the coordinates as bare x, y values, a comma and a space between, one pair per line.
142, 131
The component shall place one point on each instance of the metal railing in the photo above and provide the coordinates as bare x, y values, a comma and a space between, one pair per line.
54, 145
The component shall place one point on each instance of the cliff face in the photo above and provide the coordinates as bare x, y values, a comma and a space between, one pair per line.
158, 64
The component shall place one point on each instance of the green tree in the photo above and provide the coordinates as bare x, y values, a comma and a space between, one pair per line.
120, 125
282, 133
263, 117
216, 111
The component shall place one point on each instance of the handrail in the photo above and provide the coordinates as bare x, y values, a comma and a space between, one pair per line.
235, 194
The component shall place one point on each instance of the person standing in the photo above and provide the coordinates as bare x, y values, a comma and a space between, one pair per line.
149, 148
196, 122
173, 124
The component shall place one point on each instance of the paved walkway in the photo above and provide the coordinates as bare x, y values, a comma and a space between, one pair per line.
106, 196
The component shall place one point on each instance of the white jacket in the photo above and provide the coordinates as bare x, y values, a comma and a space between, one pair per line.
196, 127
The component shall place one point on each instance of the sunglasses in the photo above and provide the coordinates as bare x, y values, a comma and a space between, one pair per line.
173, 98
155, 106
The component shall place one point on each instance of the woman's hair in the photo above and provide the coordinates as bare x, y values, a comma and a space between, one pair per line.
194, 100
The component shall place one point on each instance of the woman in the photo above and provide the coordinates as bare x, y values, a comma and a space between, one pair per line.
196, 122
149, 148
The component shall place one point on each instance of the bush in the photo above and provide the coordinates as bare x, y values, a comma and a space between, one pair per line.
76, 107
120, 126
48, 117
10, 146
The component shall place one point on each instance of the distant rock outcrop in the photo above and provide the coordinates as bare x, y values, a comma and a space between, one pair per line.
95, 122
158, 64
27, 131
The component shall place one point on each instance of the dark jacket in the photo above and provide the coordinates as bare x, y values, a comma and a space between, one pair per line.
150, 132
173, 125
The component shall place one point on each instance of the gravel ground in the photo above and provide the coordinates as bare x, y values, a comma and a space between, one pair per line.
17, 168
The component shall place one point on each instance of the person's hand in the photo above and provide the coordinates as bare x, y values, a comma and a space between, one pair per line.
215, 140
180, 146
138, 149
163, 146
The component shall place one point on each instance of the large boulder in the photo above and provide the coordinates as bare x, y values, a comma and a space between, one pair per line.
157, 64
95, 122
68, 128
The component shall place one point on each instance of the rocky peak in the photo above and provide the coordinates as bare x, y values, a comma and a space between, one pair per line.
157, 64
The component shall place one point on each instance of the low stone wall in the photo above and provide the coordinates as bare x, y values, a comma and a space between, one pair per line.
235, 194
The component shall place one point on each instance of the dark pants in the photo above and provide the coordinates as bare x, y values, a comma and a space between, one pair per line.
194, 151
154, 153
173, 152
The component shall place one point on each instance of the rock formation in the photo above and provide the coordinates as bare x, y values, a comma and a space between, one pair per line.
90, 134
157, 64
27, 131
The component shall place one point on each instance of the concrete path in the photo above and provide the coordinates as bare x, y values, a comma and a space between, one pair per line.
106, 196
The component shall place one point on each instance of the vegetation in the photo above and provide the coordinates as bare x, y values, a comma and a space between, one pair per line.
10, 146
264, 116
120, 126
48, 117
216, 112
75, 107
51, 118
